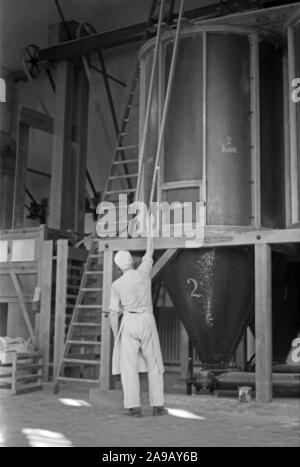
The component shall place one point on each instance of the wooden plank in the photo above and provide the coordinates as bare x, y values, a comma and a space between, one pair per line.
20, 174
28, 377
29, 232
81, 121
62, 183
14, 374
36, 119
203, 195
181, 184
287, 158
28, 388
263, 323
22, 302
45, 283
43, 122
221, 238
167, 256
27, 268
106, 334
255, 132
60, 303
293, 130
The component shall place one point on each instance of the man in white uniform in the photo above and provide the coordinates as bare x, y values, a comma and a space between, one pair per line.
137, 347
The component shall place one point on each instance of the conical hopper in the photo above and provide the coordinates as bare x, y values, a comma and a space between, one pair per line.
213, 292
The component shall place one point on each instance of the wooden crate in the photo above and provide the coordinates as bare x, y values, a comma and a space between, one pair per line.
23, 375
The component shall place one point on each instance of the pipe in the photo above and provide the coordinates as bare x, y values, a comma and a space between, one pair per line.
284, 385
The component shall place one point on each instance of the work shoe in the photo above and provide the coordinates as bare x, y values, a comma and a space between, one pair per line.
159, 410
134, 412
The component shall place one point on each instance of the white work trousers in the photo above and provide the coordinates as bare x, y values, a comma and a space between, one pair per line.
136, 335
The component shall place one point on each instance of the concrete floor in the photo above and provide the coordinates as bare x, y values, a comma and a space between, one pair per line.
73, 418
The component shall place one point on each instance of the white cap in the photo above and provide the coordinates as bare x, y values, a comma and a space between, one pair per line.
123, 260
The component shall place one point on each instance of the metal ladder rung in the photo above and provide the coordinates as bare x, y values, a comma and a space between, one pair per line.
90, 289
89, 306
94, 273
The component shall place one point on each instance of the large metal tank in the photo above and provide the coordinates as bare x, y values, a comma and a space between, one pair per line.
224, 147
224, 136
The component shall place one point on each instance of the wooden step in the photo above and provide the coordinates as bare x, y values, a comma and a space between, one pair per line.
121, 177
92, 290
78, 380
126, 161
130, 146
83, 343
80, 361
86, 325
115, 192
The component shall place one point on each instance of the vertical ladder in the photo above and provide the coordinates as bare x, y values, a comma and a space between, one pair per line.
81, 356
124, 169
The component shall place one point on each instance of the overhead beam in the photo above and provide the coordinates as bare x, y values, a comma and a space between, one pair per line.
211, 239
71, 50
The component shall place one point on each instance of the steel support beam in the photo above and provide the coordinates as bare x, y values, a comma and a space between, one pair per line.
72, 49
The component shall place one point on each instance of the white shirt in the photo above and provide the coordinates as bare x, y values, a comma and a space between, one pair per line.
132, 291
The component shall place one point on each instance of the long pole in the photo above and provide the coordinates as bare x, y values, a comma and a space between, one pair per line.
149, 100
167, 102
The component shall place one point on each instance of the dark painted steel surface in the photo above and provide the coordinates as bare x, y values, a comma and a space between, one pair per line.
271, 131
286, 306
184, 130
228, 130
213, 291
